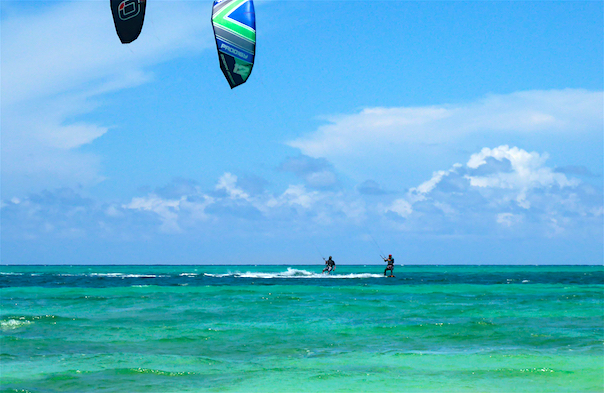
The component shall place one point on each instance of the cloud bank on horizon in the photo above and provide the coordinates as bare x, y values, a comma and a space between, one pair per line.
500, 192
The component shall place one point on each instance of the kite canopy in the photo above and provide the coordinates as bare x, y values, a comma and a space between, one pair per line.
128, 16
234, 24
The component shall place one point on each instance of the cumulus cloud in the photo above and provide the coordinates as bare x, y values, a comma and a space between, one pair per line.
228, 184
391, 138
502, 191
166, 209
228, 201
527, 172
57, 63
504, 186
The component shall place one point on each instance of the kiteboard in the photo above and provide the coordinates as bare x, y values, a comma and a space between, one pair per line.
391, 276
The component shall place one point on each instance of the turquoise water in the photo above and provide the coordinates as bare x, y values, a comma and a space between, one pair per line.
290, 329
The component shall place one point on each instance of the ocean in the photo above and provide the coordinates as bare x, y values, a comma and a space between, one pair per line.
291, 329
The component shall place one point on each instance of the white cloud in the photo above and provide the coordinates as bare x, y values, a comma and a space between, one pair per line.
509, 219
502, 188
527, 172
187, 210
194, 207
297, 195
401, 207
228, 183
449, 203
167, 210
56, 62
512, 185
418, 193
381, 139
71, 44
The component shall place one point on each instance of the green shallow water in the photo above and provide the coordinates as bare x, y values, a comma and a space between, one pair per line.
210, 329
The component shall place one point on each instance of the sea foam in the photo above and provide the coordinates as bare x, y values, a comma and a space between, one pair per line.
13, 324
294, 273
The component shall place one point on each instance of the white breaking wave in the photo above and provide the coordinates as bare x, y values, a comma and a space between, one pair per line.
111, 275
294, 273
13, 324
125, 275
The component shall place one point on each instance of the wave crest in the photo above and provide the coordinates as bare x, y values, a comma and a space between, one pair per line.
293, 273
13, 324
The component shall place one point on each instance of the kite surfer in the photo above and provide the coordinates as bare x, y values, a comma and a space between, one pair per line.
390, 266
329, 265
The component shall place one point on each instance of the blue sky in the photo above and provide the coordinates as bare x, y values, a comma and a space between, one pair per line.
440, 132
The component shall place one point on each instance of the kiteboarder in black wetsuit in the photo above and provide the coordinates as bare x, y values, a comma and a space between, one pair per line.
390, 266
330, 265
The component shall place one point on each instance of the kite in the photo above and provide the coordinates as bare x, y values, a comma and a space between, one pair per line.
234, 23
128, 16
